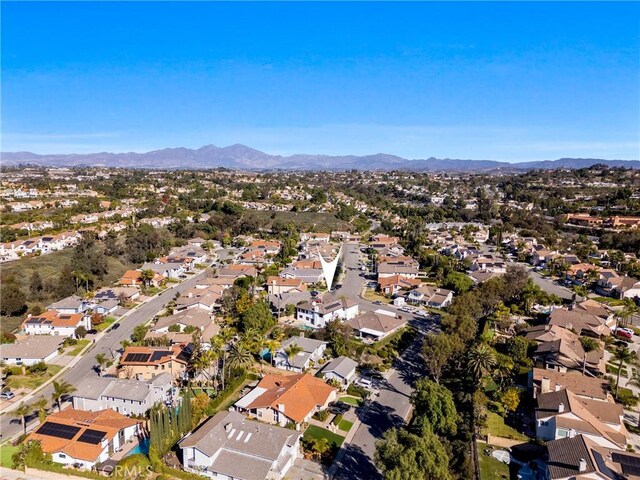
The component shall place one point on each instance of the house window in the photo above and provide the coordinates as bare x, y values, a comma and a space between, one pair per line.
561, 433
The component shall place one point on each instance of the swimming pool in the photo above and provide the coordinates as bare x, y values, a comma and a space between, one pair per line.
142, 447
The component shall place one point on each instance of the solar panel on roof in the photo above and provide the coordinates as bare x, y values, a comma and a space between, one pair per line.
65, 317
625, 459
94, 437
630, 469
137, 357
159, 355
58, 430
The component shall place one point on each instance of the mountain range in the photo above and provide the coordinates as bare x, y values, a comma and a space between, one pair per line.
246, 158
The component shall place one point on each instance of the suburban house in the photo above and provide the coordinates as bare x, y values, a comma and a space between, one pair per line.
593, 307
562, 414
286, 399
580, 457
489, 264
624, 287
381, 241
194, 318
341, 369
129, 397
230, 446
317, 312
144, 363
389, 269
393, 284
279, 285
376, 325
542, 380
269, 247
207, 299
167, 270
312, 351
86, 438
581, 322
31, 349
237, 271
70, 305
307, 275
541, 256
430, 296
561, 349
51, 322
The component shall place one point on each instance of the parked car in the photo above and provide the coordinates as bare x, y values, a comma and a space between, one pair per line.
377, 302
624, 332
7, 395
338, 286
365, 382
115, 325
339, 408
93, 331
314, 293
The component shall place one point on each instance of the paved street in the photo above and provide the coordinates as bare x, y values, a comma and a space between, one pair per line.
392, 406
107, 345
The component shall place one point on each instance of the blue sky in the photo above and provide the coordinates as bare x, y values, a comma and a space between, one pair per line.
505, 81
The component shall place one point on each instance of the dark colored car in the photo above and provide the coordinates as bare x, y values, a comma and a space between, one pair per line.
377, 302
338, 286
93, 331
314, 293
339, 408
115, 325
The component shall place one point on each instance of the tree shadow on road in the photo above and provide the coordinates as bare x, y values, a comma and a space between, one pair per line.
356, 464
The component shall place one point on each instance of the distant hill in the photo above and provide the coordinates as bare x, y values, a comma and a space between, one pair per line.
247, 158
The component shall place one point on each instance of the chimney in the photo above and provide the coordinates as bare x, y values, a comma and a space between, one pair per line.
227, 427
545, 385
561, 407
582, 465
558, 387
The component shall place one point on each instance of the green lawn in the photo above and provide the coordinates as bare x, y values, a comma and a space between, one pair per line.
313, 432
6, 451
356, 402
31, 381
490, 468
609, 301
497, 427
376, 297
345, 425
76, 349
105, 323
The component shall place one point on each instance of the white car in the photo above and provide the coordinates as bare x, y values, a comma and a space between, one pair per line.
365, 382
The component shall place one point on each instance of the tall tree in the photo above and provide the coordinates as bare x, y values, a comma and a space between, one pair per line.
21, 412
622, 356
60, 389
482, 359
403, 455
102, 361
434, 404
239, 357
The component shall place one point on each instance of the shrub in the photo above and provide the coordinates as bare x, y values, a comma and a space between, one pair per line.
357, 391
37, 368
321, 415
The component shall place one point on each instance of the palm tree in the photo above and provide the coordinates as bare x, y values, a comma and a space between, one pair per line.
239, 357
146, 276
481, 360
21, 412
635, 381
60, 389
40, 406
273, 346
588, 345
627, 312
291, 351
102, 361
622, 355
